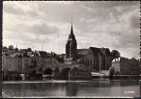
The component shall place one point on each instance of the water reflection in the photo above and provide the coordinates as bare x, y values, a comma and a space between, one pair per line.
71, 89
90, 88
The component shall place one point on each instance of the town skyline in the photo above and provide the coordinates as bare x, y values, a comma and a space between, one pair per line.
46, 25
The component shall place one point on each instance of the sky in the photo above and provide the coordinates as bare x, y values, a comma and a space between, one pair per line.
45, 25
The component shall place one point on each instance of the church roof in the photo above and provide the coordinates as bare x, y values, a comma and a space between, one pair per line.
82, 51
96, 50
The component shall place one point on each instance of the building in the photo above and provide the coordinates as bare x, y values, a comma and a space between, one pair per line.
71, 48
96, 59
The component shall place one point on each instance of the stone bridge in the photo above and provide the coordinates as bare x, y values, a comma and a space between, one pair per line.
66, 71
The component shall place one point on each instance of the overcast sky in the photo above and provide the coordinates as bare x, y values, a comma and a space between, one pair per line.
46, 25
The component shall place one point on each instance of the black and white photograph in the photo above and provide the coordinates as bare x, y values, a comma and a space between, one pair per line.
77, 49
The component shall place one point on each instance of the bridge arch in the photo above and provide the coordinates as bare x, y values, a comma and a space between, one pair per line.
48, 71
65, 73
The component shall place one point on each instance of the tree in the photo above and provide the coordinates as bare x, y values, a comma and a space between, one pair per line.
115, 54
11, 47
129, 66
48, 71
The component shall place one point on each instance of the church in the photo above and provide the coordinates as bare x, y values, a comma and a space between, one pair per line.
96, 59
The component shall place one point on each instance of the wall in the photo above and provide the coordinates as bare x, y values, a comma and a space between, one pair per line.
22, 64
96, 61
16, 64
10, 64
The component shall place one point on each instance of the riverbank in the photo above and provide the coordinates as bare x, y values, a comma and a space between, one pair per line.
120, 77
67, 81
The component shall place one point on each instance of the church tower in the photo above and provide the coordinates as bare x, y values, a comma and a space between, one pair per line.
71, 47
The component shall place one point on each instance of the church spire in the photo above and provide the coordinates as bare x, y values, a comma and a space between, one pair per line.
71, 35
71, 28
71, 46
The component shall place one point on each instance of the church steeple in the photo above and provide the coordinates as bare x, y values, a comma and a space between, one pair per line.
71, 45
71, 35
71, 28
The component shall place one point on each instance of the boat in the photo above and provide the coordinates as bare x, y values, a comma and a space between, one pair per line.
103, 73
97, 74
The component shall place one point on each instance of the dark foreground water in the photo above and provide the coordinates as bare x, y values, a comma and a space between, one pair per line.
94, 88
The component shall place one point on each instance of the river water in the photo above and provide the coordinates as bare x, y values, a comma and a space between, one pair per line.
61, 88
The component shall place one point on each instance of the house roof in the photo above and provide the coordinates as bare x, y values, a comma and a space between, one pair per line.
44, 54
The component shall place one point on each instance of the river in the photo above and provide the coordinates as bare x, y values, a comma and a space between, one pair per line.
78, 88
